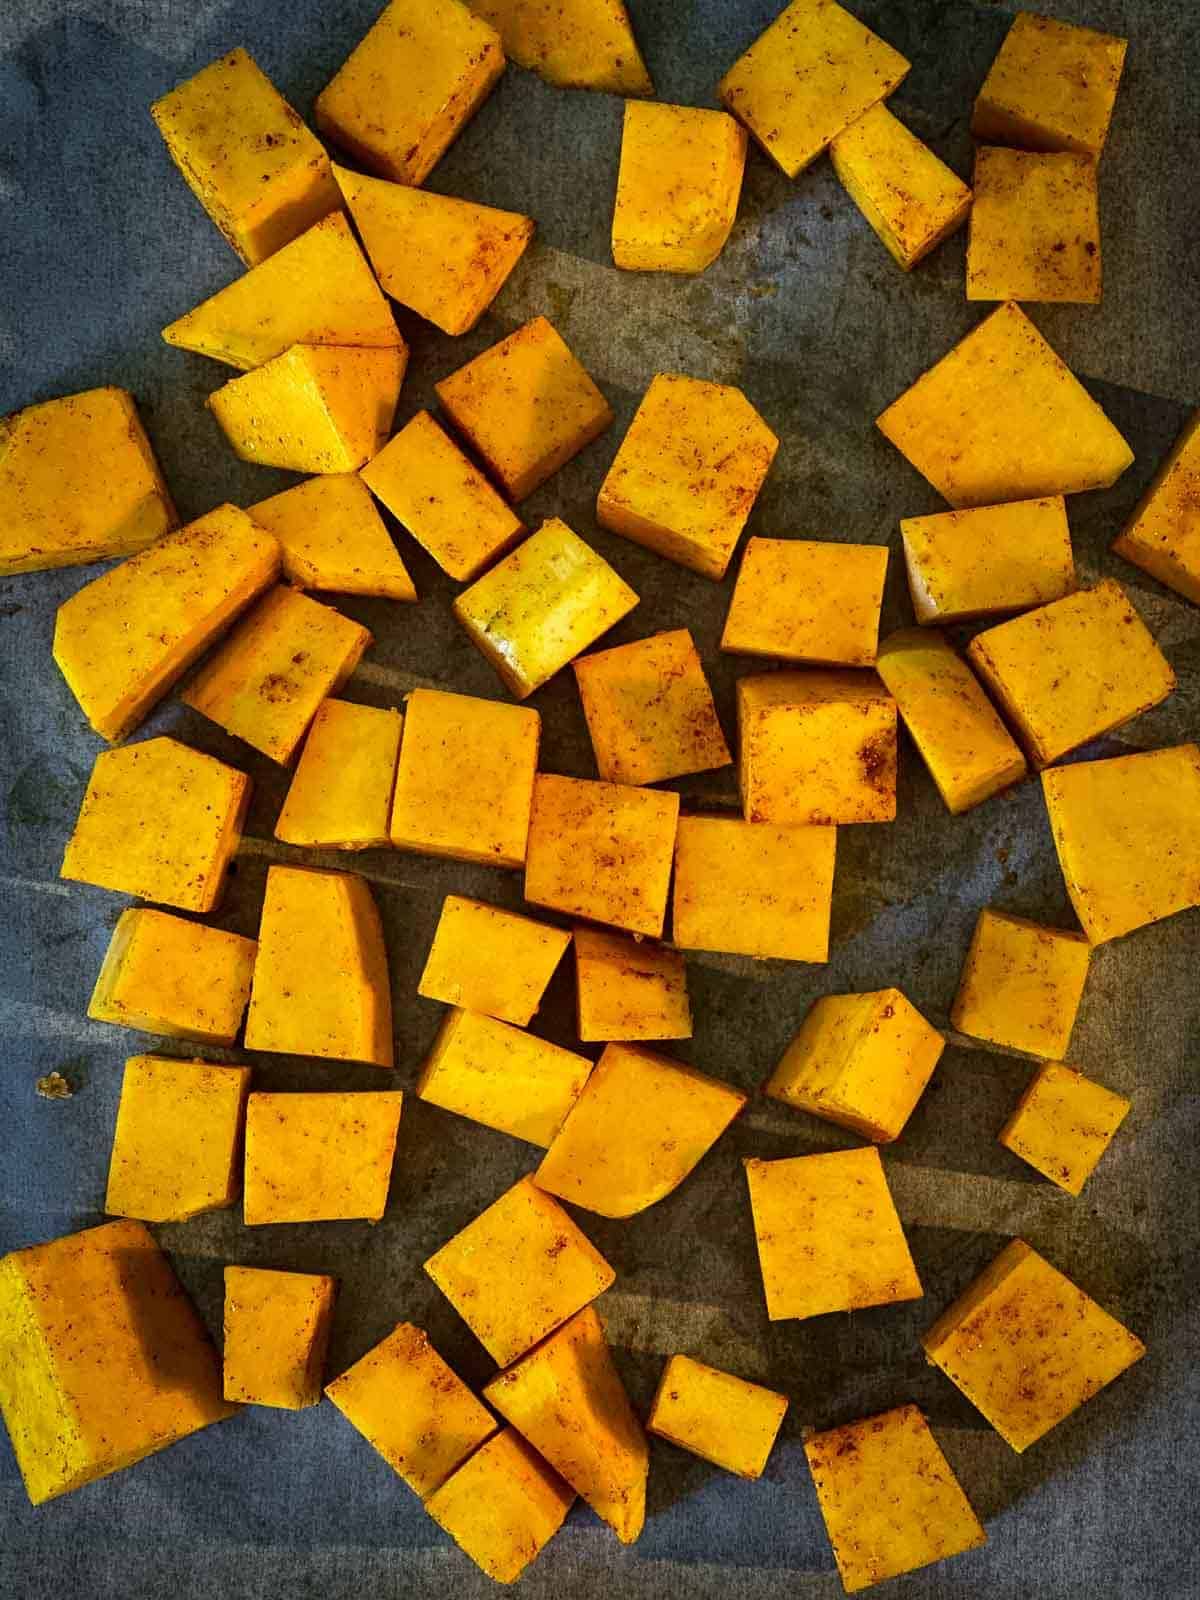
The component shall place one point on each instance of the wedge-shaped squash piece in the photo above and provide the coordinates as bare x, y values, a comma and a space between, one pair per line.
1063, 1124
1035, 227
1163, 535
638, 1129
333, 538
629, 988
180, 979
678, 187
78, 483
316, 290
277, 1327
1021, 985
576, 44
267, 680
567, 1399
807, 600
122, 640
319, 1157
491, 961
502, 1506
720, 1418
321, 980
79, 1396
988, 559
1052, 86
341, 795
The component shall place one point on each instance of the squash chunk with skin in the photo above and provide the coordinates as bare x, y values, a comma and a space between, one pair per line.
502, 1506
179, 979
445, 259
816, 747
718, 1417
526, 405
1021, 985
316, 290
812, 73
321, 981
602, 851
829, 1237
122, 640
688, 472
443, 499
988, 559
340, 797
1063, 1124
416, 1411
267, 681
678, 187
319, 1157
245, 154
861, 1060
518, 1271
78, 482
1027, 1347
808, 601
1125, 833
888, 1497
160, 821
333, 538
491, 961
1001, 417
576, 44
1052, 86
567, 1399
464, 785
753, 888
1035, 227
969, 752
502, 1077
1163, 535
636, 1132
629, 988
277, 1327
911, 199
650, 711
80, 1398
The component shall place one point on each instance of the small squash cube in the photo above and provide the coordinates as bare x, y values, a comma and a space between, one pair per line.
340, 797
518, 1271
319, 1157
277, 1327
1052, 86
988, 559
182, 980
807, 601
1063, 1124
576, 44
602, 851
1021, 985
1035, 227
829, 1237
491, 961
720, 1418
502, 1506
1163, 535
629, 989
688, 472
1027, 1347
332, 537
678, 187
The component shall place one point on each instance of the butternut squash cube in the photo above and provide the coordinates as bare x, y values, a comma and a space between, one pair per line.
816, 747
911, 199
678, 187
491, 961
122, 640
340, 797
1163, 535
1001, 417
688, 472
567, 1399
718, 1417
182, 980
576, 44
464, 785
1021, 985
888, 1497
159, 821
809, 601
246, 156
319, 1157
602, 851
267, 681
829, 1237
79, 1396
1052, 86
969, 752
321, 980
502, 1506
277, 1327
860, 1060
443, 499
501, 1076
408, 1404
1063, 1124
1125, 833
432, 65
526, 406
79, 482
332, 537
629, 988
988, 559
1035, 227
518, 1271
1027, 1346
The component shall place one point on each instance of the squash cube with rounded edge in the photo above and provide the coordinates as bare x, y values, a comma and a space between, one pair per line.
576, 44
1063, 1124
808, 601
502, 1506
319, 1157
629, 989
1052, 86
720, 1418
678, 187
340, 797
1034, 232
1021, 985
333, 538
1163, 535
277, 1327
179, 979
988, 559
491, 961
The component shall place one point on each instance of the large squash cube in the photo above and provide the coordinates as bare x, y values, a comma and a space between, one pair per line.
629, 988
159, 821
1027, 1347
829, 1237
319, 1157
1125, 833
277, 1327
518, 1271
340, 797
81, 1399
861, 1060
491, 961
1163, 535
1035, 227
688, 472
888, 1497
1001, 417
332, 537
807, 601
182, 980
988, 559
718, 1417
464, 785
1021, 985
1063, 1124
601, 851
78, 482
1052, 86
502, 1506
678, 187
576, 44
526, 405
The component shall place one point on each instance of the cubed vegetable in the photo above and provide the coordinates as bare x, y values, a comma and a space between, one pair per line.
629, 988
988, 559
277, 1327
576, 44
179, 979
1052, 86
1063, 1124
332, 537
1163, 535
718, 1417
502, 1506
491, 961
319, 1157
677, 188
1035, 227
1021, 985
807, 601
340, 797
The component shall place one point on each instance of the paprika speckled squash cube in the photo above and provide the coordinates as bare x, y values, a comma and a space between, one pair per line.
808, 601
1163, 535
1063, 1124
988, 559
319, 1157
277, 1327
1052, 86
718, 1417
179, 979
332, 537
502, 1506
491, 961
576, 44
629, 989
677, 188
1021, 985
1034, 232
340, 796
